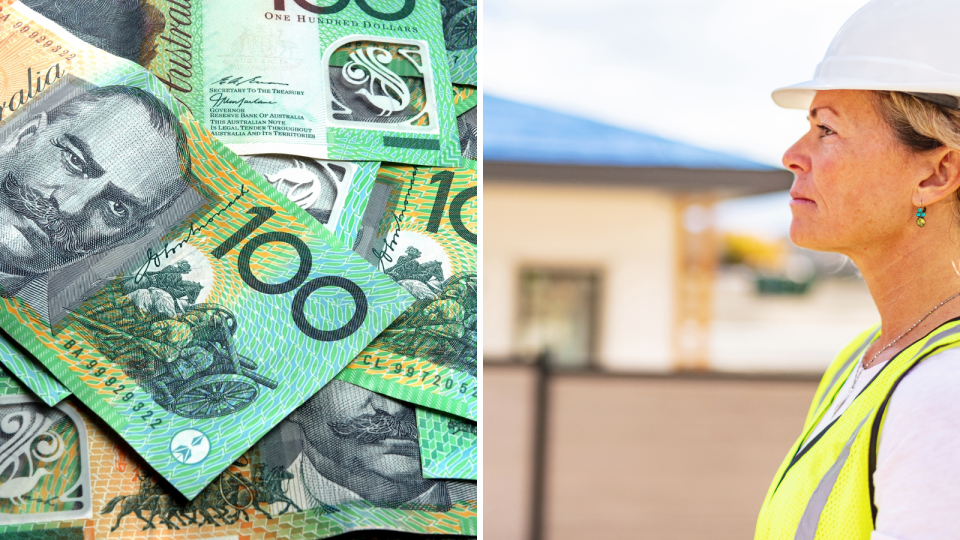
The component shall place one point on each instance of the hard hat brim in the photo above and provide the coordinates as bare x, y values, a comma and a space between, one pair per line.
799, 96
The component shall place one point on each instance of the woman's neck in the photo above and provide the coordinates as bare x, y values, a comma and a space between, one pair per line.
907, 280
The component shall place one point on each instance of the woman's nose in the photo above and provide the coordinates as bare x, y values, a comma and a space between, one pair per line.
796, 159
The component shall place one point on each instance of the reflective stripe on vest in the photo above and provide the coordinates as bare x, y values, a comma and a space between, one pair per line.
825, 489
807, 529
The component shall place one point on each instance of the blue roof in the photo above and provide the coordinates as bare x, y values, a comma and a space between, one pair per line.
517, 132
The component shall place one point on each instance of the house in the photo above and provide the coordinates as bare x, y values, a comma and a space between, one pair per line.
598, 241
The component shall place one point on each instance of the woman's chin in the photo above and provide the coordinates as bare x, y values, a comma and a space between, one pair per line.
806, 237
803, 237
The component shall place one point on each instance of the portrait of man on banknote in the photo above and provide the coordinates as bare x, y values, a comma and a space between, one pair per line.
348, 444
85, 170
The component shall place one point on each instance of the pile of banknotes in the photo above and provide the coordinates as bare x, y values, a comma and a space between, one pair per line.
238, 268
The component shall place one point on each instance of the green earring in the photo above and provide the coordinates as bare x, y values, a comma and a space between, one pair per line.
921, 214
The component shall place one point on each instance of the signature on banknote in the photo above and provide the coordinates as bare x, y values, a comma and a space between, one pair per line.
391, 244
196, 227
239, 81
219, 99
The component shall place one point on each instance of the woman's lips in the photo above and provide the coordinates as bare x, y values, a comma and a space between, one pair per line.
800, 202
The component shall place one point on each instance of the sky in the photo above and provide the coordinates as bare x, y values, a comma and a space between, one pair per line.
696, 71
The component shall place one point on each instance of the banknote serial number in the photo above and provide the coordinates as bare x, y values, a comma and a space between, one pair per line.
428, 377
23, 28
121, 393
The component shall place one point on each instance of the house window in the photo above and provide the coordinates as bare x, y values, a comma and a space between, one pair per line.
558, 315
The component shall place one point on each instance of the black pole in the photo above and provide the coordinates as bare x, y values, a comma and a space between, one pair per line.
541, 409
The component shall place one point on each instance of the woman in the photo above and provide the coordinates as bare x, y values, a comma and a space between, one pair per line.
877, 179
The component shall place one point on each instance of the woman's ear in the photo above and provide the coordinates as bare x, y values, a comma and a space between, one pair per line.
31, 128
944, 181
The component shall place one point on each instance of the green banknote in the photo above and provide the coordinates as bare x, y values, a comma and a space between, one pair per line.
335, 193
460, 37
448, 445
163, 281
44, 385
359, 80
419, 228
67, 476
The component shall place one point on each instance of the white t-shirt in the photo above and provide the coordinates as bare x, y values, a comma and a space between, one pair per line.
917, 480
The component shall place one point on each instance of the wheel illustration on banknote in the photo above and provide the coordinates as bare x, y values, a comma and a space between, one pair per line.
459, 24
211, 396
178, 349
264, 489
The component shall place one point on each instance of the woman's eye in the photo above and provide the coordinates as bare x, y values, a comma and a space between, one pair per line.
824, 130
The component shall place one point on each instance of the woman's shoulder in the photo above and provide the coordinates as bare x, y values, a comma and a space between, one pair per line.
935, 380
945, 363
930, 392
918, 475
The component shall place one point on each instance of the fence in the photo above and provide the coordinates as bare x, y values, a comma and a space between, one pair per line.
587, 454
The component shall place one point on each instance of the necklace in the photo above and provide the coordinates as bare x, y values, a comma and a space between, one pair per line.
861, 366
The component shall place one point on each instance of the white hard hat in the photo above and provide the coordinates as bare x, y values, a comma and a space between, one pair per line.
902, 45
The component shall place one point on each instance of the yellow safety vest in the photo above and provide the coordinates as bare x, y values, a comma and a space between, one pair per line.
825, 490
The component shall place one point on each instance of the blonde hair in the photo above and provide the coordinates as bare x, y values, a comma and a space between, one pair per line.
919, 125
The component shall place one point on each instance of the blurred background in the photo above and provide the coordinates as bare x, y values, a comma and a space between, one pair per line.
651, 338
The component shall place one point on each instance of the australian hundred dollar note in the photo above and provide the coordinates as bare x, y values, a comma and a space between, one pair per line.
360, 80
162, 280
330, 468
335, 193
420, 228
